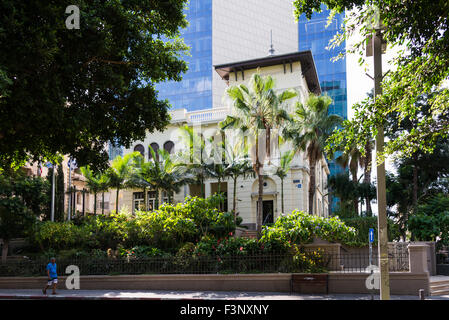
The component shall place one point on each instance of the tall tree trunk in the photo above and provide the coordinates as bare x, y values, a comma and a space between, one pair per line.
102, 203
234, 201
203, 189
367, 175
415, 180
259, 202
145, 199
312, 184
219, 192
5, 250
156, 201
116, 201
282, 195
355, 201
95, 204
268, 142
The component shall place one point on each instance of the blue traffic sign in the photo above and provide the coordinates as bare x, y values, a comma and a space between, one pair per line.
371, 235
48, 165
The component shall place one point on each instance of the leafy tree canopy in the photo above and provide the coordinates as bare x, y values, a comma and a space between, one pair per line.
422, 67
71, 91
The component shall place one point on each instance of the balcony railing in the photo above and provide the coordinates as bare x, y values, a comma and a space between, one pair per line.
208, 115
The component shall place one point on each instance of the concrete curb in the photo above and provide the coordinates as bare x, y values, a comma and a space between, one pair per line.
63, 297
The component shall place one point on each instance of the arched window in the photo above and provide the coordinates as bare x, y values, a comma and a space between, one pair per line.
155, 147
169, 146
140, 148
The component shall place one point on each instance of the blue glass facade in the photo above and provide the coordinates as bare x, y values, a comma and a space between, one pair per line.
194, 92
315, 36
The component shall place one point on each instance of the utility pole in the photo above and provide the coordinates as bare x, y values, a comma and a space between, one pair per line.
53, 194
381, 189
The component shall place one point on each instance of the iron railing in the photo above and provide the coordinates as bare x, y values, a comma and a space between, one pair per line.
229, 264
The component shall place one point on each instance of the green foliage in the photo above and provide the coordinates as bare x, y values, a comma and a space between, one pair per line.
167, 228
172, 225
57, 235
309, 261
309, 130
362, 226
96, 182
301, 228
22, 200
73, 91
212, 246
119, 173
349, 191
141, 252
431, 221
260, 111
421, 68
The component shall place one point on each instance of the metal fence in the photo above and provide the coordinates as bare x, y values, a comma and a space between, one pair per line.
230, 264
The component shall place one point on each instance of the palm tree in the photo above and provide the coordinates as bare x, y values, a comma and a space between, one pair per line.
104, 187
165, 174
195, 159
309, 130
95, 182
119, 173
139, 178
351, 158
236, 164
345, 189
282, 171
258, 109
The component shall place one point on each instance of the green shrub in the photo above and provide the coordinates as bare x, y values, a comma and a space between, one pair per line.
308, 261
103, 232
141, 252
56, 235
171, 226
211, 246
167, 228
301, 228
362, 226
431, 221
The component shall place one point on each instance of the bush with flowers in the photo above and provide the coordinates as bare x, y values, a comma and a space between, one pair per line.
301, 228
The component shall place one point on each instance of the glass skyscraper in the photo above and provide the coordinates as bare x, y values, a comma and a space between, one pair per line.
315, 36
194, 92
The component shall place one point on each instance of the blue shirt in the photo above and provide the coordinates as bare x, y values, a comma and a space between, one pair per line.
52, 268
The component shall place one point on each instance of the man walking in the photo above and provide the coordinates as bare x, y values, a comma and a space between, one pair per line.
52, 276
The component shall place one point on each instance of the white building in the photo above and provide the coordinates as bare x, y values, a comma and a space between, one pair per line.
243, 30
294, 70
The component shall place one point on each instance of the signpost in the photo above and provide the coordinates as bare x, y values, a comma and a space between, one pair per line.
371, 240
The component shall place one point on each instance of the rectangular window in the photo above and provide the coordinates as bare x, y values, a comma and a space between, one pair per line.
151, 200
138, 201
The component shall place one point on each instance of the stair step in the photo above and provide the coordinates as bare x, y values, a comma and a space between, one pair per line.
439, 292
439, 288
439, 283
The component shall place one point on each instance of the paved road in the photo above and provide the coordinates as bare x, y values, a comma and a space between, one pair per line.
180, 295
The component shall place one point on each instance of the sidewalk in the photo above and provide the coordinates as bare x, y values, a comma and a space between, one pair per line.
6, 294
